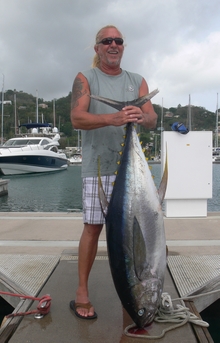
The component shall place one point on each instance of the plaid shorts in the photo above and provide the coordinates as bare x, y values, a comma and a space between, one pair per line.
92, 212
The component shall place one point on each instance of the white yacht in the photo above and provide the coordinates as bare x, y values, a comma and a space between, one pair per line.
75, 159
33, 153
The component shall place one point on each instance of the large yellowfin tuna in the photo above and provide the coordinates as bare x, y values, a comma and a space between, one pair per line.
135, 229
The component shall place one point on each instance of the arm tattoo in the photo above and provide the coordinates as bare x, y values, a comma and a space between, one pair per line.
77, 92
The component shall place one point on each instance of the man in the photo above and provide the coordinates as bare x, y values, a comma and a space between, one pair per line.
102, 133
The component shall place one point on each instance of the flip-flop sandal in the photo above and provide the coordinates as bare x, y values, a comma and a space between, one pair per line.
74, 306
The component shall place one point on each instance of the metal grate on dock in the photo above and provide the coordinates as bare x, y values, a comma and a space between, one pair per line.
75, 258
192, 272
29, 272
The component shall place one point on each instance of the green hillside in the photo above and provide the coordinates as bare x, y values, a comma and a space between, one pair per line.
25, 111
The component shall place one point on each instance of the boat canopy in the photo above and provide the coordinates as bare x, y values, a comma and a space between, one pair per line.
35, 125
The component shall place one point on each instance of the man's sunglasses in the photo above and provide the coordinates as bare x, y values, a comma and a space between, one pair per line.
108, 41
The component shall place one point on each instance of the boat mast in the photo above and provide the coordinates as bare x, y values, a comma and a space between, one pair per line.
2, 109
216, 126
54, 113
189, 114
15, 112
161, 122
161, 129
36, 106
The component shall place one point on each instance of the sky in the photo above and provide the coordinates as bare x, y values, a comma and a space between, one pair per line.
173, 44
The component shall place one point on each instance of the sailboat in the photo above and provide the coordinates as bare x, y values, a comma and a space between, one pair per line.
76, 158
216, 149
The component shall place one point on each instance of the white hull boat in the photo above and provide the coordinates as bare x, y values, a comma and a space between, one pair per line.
75, 159
32, 154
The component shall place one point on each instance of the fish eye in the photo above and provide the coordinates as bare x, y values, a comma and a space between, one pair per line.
141, 312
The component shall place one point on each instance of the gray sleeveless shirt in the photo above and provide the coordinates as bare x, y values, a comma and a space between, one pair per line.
106, 141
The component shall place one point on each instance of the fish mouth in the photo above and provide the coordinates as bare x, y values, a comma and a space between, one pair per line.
149, 319
144, 322
144, 317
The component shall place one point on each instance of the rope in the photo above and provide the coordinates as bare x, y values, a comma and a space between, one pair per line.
167, 314
197, 295
42, 308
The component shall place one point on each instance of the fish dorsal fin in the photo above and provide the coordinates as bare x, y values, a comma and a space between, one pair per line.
163, 183
102, 196
139, 250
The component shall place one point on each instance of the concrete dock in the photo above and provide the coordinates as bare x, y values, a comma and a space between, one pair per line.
58, 234
51, 233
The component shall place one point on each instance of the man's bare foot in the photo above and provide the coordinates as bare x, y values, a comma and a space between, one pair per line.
82, 310
82, 305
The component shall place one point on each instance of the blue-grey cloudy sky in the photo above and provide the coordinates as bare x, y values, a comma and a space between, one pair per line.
174, 44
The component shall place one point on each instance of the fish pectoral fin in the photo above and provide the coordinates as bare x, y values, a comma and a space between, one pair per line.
118, 105
143, 99
139, 250
163, 183
102, 197
103, 201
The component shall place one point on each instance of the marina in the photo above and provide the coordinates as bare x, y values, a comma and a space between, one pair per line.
61, 192
156, 275
41, 227
25, 243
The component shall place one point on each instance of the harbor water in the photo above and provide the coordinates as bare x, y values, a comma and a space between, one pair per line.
62, 191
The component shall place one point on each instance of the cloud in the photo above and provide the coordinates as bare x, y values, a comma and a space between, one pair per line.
173, 44
193, 68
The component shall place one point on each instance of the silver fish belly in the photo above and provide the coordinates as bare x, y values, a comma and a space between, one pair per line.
135, 235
